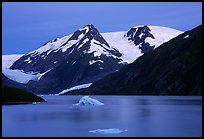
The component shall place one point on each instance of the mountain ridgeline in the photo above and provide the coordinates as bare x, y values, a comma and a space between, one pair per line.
86, 56
74, 62
174, 68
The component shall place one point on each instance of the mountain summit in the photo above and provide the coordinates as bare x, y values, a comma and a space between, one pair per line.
82, 57
86, 56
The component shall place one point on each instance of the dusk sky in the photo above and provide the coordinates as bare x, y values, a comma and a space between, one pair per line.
28, 25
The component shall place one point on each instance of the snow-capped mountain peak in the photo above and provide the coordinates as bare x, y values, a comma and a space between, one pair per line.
89, 31
87, 28
139, 40
85, 41
86, 55
149, 37
155, 35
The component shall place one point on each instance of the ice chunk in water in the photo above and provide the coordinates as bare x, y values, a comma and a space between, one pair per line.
108, 131
87, 101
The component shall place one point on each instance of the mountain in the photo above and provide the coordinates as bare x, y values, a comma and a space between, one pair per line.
82, 57
174, 68
86, 56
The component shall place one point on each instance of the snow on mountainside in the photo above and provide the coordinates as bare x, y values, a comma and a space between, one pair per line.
80, 58
86, 56
17, 75
79, 37
84, 41
161, 35
8, 60
127, 48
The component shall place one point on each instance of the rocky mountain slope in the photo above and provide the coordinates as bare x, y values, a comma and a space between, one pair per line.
85, 56
174, 68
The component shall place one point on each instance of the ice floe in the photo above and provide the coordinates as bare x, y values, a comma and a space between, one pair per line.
108, 131
87, 101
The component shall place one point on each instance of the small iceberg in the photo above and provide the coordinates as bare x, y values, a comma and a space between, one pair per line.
87, 101
108, 131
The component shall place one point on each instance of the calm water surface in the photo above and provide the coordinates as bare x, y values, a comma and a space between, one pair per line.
137, 115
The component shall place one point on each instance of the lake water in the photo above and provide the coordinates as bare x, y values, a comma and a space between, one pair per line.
138, 116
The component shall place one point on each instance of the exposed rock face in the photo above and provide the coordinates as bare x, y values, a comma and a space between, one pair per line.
138, 36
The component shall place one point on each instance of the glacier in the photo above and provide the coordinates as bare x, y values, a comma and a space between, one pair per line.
15, 75
75, 88
18, 75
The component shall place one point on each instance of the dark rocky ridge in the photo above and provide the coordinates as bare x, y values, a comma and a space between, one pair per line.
11, 95
15, 93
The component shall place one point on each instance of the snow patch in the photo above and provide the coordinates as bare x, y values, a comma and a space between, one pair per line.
53, 45
127, 48
87, 101
186, 36
94, 61
98, 49
73, 62
108, 131
68, 45
28, 60
42, 74
85, 28
83, 43
71, 51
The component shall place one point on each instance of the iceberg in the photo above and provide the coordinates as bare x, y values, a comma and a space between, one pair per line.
87, 101
108, 131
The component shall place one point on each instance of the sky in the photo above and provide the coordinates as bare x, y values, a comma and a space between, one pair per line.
26, 26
